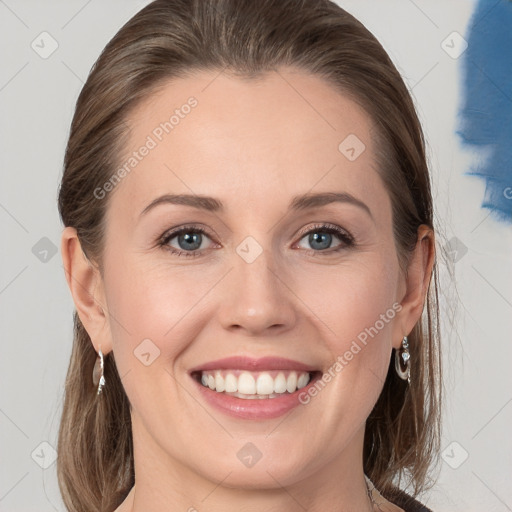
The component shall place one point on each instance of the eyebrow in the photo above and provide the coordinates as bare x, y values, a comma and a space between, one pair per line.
300, 202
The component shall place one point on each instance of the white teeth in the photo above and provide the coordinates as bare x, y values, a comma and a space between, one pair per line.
265, 384
219, 382
280, 383
303, 381
245, 384
291, 382
253, 397
231, 383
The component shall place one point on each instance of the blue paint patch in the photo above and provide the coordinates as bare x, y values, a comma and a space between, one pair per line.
486, 113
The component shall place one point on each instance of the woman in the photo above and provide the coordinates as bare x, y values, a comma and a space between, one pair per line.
249, 244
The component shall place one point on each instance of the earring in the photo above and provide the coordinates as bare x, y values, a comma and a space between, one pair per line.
97, 373
403, 355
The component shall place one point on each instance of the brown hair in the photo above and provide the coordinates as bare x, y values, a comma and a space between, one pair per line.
168, 39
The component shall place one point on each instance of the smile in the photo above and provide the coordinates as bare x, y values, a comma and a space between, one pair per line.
254, 389
254, 385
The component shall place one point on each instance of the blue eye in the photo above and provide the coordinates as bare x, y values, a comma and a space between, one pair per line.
189, 240
320, 237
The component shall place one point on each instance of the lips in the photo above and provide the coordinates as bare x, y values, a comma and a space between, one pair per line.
250, 388
250, 364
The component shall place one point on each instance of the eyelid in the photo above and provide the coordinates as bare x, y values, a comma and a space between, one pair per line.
325, 226
171, 233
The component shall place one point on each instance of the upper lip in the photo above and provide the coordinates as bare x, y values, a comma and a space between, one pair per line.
251, 364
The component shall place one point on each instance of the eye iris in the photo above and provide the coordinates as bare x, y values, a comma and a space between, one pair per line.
323, 237
192, 239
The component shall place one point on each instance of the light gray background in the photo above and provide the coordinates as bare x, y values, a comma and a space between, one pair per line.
37, 98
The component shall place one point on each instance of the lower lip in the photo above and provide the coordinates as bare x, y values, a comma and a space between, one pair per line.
253, 409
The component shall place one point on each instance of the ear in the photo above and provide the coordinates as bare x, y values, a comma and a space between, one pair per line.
86, 286
415, 284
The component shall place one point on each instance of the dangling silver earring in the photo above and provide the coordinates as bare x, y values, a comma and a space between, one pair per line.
97, 373
403, 355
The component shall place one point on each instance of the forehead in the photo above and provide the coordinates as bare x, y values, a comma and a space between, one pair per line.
248, 141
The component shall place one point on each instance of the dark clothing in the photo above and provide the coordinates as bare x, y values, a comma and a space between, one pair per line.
409, 504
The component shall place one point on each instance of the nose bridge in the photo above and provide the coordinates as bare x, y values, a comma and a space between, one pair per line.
257, 299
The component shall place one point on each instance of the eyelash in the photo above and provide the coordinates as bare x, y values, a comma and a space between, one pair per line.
344, 236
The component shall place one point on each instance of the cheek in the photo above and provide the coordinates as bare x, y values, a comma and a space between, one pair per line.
354, 307
155, 303
349, 298
153, 320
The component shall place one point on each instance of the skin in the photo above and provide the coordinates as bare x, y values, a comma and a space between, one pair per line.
252, 145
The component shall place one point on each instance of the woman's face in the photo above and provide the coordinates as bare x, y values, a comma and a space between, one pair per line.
266, 279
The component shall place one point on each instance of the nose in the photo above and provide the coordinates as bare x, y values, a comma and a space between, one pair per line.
256, 298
